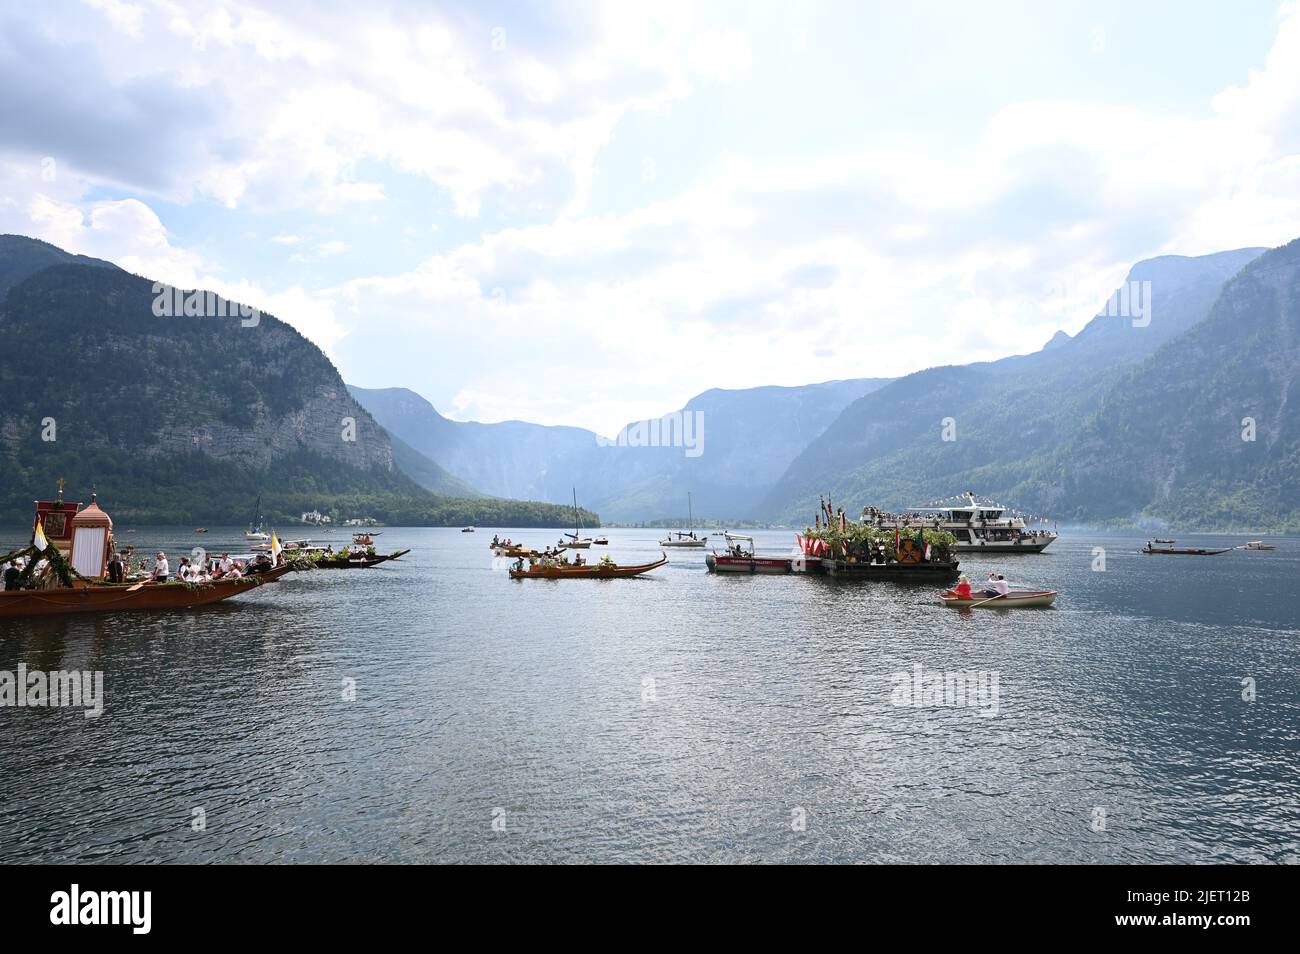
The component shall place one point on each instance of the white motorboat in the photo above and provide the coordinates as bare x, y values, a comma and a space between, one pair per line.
978, 527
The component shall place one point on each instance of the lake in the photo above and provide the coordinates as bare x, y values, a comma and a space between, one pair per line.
432, 709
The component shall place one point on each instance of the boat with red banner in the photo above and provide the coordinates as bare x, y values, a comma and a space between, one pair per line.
741, 558
65, 569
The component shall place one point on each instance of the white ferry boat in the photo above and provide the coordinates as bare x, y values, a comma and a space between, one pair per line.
978, 527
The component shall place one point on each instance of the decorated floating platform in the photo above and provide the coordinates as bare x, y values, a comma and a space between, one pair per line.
849, 550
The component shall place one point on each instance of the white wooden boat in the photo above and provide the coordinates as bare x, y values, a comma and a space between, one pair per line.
1016, 599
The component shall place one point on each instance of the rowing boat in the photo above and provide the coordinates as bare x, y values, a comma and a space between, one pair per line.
124, 597
1013, 600
1184, 551
598, 571
356, 562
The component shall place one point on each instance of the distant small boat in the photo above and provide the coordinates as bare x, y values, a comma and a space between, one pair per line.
467, 530
1259, 545
687, 538
200, 529
575, 540
1170, 542
1013, 600
601, 541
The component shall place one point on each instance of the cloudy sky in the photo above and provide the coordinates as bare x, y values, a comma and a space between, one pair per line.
585, 214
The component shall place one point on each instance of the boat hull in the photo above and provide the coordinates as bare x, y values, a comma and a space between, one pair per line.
121, 598
1010, 601
1001, 547
584, 572
345, 563
735, 564
1192, 551
685, 544
931, 572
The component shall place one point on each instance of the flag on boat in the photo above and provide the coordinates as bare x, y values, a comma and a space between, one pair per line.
800, 543
38, 538
275, 548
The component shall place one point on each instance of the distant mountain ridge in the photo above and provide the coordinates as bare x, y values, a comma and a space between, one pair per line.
175, 419
1009, 417
749, 436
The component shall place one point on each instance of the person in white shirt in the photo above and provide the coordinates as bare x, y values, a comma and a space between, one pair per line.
161, 570
227, 564
1001, 585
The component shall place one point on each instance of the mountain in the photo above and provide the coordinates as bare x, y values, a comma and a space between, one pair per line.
21, 256
188, 419
746, 440
1008, 418
1171, 441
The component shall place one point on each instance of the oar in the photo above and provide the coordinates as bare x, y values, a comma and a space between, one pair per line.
989, 600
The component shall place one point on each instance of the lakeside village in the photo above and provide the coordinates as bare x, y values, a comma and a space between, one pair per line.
73, 563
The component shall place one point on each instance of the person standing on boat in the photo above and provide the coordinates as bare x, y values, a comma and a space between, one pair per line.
116, 571
161, 570
11, 575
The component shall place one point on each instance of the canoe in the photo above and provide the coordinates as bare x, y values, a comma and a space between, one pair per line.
357, 563
1013, 600
595, 571
125, 597
1185, 551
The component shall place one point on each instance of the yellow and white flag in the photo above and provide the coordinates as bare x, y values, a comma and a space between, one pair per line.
38, 538
275, 548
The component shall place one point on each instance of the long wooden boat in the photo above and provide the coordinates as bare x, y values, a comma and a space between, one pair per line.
932, 571
1013, 600
126, 597
1184, 551
596, 571
357, 563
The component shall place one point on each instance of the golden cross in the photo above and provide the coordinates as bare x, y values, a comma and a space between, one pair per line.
61, 482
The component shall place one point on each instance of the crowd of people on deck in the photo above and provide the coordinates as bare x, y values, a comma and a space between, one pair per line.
122, 566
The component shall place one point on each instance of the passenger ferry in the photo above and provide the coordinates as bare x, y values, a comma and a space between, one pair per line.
978, 527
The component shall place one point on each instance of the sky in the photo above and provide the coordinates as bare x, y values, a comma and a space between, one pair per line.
585, 214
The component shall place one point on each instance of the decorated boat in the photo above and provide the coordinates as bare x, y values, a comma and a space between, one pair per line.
354, 561
603, 570
740, 557
1015, 599
976, 526
686, 538
66, 570
861, 551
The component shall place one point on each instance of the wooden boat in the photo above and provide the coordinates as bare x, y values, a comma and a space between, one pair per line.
1170, 542
130, 597
1016, 599
686, 538
515, 552
1184, 551
357, 562
740, 558
595, 571
1259, 545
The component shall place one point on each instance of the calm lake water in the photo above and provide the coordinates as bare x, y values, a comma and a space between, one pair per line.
680, 716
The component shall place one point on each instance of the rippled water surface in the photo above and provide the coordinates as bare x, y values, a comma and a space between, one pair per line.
680, 716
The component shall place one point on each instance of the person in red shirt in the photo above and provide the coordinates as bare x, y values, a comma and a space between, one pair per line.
963, 589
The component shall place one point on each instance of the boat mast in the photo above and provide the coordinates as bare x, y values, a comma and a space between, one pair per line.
690, 515
257, 515
577, 524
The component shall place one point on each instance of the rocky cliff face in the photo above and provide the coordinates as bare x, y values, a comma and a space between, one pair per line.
84, 348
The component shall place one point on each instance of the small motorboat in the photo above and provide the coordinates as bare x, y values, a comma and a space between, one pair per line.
467, 530
601, 541
1016, 599
1169, 542
200, 529
1259, 545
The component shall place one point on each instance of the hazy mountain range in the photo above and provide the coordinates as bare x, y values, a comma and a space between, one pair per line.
1173, 405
